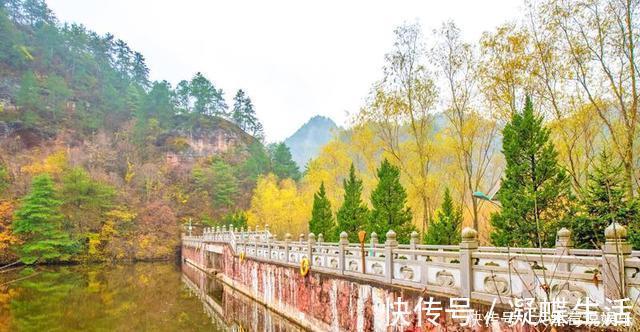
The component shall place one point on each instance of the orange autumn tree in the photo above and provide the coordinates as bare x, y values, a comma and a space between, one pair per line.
7, 238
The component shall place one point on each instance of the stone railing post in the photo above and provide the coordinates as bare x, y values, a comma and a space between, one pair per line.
413, 243
301, 238
256, 231
563, 247
374, 243
615, 250
342, 247
310, 244
256, 238
268, 241
245, 239
389, 246
468, 245
266, 231
287, 240
319, 242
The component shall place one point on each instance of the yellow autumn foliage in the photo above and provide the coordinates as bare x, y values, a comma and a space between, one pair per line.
101, 242
7, 238
331, 166
280, 205
130, 172
53, 164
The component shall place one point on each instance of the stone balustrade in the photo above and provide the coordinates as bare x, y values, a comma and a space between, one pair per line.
467, 270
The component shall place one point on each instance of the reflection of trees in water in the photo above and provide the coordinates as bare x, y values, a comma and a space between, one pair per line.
6, 294
215, 290
250, 315
231, 309
130, 297
40, 303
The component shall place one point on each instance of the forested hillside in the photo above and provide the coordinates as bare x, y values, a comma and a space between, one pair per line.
97, 162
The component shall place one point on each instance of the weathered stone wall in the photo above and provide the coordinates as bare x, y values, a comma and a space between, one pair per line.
318, 301
229, 309
332, 297
194, 254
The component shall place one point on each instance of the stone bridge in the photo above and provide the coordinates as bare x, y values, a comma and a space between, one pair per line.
350, 285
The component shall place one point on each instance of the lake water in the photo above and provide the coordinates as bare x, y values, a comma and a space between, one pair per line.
127, 297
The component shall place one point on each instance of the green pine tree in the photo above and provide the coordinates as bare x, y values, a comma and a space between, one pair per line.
38, 222
244, 115
282, 162
389, 205
225, 185
321, 215
219, 182
445, 229
29, 98
352, 215
535, 191
605, 200
84, 200
238, 219
207, 99
256, 164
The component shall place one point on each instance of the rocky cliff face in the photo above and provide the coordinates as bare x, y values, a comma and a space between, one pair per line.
186, 146
24, 135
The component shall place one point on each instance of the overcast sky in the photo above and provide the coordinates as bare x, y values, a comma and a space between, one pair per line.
295, 59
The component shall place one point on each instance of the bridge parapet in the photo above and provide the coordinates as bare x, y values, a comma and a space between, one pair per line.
481, 273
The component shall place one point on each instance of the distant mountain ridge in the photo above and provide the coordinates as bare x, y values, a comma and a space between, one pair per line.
306, 142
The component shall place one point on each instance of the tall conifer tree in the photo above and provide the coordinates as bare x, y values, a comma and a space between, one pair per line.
244, 115
38, 223
605, 200
445, 229
282, 162
321, 215
535, 191
389, 205
352, 215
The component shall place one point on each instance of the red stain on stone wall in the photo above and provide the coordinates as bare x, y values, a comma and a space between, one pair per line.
338, 301
194, 254
310, 295
344, 307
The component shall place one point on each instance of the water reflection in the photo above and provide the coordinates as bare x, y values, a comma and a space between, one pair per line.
229, 309
127, 297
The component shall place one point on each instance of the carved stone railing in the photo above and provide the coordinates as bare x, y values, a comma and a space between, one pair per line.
466, 270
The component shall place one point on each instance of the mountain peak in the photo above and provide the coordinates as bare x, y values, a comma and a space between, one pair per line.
306, 142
